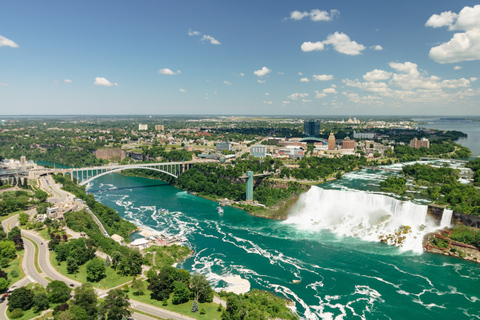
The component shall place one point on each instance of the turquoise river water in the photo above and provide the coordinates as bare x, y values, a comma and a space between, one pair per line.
329, 243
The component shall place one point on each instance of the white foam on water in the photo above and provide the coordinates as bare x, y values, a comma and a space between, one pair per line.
363, 215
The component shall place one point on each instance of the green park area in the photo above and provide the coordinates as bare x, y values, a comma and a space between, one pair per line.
111, 279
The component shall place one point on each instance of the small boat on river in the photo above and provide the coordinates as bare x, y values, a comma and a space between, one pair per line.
163, 211
220, 210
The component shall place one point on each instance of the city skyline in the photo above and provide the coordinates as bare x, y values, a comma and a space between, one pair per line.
308, 58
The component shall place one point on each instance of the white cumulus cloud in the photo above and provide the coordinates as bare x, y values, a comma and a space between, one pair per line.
67, 81
304, 80
205, 37
168, 71
377, 75
446, 18
342, 43
262, 72
457, 68
314, 15
183, 90
100, 81
376, 48
4, 42
194, 33
228, 83
322, 77
312, 46
295, 96
324, 92
211, 39
463, 46
261, 81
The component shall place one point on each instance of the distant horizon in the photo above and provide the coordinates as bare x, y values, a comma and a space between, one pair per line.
239, 115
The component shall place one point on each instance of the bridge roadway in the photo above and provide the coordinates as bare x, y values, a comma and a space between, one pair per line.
87, 174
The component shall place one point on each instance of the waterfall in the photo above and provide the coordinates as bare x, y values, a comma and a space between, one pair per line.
446, 218
369, 216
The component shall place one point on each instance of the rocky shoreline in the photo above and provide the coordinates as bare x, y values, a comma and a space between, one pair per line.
455, 249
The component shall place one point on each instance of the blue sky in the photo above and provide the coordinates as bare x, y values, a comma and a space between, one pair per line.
244, 57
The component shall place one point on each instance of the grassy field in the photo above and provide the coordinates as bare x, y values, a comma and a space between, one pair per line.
17, 266
111, 280
44, 233
184, 308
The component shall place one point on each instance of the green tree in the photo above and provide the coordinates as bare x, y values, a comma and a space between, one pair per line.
116, 305
95, 270
15, 231
161, 285
16, 313
58, 291
116, 257
3, 284
78, 313
181, 293
23, 218
7, 249
86, 298
200, 288
40, 302
195, 305
72, 266
20, 298
139, 286
132, 264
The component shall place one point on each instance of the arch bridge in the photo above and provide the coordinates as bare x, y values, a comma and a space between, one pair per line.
85, 175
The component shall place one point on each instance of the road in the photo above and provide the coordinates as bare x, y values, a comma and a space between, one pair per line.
49, 271
28, 266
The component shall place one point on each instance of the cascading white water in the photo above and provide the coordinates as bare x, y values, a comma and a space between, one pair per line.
368, 216
446, 218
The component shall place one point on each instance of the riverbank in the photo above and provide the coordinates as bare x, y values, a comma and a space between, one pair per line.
440, 243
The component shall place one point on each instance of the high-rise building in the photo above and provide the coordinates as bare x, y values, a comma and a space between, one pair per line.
159, 127
311, 128
415, 143
142, 127
331, 141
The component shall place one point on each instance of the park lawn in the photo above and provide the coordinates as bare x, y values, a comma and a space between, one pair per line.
184, 308
29, 314
44, 233
16, 265
112, 278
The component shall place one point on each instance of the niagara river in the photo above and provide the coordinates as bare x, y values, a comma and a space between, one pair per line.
326, 257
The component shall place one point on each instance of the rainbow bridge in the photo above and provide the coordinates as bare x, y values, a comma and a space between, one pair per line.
85, 175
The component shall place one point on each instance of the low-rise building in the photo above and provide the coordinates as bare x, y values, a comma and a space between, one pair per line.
224, 146
259, 151
348, 144
363, 135
142, 127
118, 239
